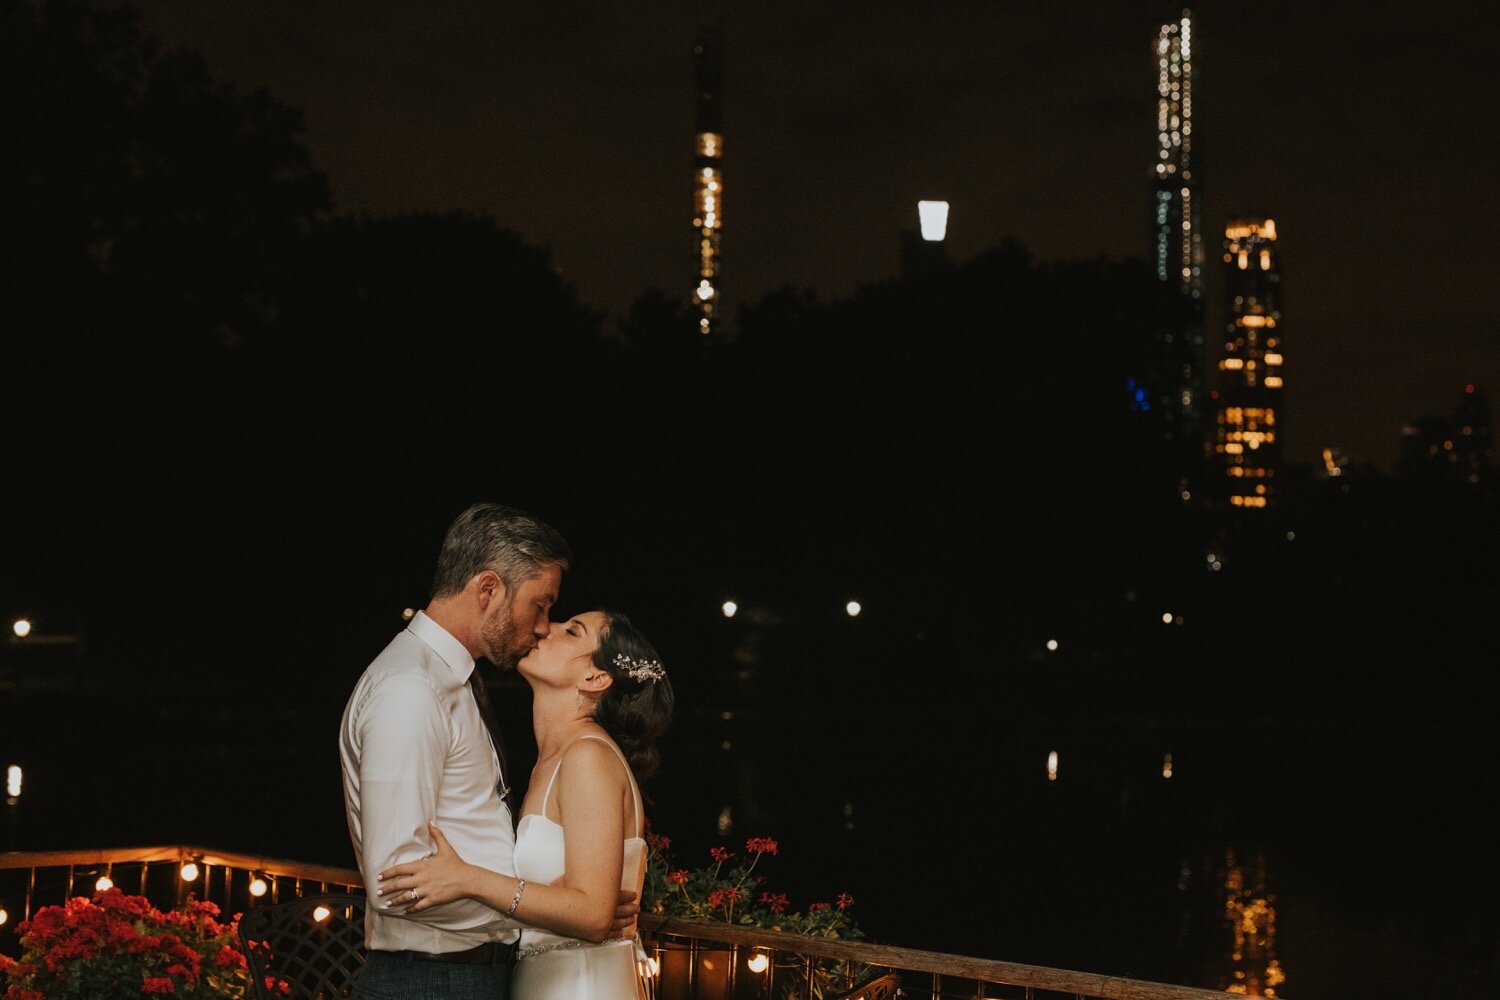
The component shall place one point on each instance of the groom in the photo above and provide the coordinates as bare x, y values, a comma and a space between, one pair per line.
416, 744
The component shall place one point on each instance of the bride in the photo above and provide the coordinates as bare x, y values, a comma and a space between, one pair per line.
600, 700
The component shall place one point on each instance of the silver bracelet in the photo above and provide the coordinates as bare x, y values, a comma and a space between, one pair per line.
515, 900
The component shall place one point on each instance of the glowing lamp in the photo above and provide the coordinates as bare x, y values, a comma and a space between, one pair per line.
321, 914
759, 962
22, 628
258, 885
852, 609
729, 608
934, 216
189, 871
13, 781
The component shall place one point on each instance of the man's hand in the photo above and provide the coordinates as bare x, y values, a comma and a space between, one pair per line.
625, 914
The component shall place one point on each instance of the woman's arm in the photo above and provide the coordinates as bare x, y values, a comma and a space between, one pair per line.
590, 798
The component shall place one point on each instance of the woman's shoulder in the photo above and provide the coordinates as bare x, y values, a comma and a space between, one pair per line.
593, 757
591, 750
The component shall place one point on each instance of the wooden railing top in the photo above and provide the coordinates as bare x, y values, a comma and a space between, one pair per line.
914, 960
179, 853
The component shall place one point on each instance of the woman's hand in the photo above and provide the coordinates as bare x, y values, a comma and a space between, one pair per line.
417, 885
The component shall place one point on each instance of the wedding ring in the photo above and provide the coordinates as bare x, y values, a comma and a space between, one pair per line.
414, 894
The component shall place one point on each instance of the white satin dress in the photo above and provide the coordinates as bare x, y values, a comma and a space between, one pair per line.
553, 967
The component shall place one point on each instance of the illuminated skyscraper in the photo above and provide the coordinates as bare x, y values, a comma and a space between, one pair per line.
1177, 237
708, 181
1247, 419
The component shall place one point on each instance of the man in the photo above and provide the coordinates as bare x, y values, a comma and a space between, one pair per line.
414, 746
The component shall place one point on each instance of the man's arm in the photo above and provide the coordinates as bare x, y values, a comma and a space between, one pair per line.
404, 739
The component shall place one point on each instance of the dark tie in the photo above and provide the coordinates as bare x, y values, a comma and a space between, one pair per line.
482, 699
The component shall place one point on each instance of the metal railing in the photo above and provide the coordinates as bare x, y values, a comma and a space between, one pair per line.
33, 879
694, 960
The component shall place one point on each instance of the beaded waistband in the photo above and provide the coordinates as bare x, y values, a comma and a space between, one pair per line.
531, 951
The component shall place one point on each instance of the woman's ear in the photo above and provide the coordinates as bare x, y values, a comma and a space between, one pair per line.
596, 683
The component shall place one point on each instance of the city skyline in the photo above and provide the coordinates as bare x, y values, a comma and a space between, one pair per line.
1356, 131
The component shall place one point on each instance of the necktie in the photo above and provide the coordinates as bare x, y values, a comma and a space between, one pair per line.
482, 699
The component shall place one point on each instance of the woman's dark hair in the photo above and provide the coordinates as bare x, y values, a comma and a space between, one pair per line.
636, 709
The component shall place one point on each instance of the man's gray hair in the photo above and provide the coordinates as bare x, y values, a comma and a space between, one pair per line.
496, 537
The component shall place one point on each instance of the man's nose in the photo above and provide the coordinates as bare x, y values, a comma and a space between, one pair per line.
543, 627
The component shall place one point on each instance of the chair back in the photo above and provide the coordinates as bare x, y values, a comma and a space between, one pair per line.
310, 948
886, 987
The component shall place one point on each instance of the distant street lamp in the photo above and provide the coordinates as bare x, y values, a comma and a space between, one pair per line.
24, 630
934, 217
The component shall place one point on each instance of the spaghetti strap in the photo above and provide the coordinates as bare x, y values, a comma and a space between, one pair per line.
635, 793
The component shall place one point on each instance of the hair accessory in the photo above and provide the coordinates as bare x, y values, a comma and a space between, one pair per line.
640, 670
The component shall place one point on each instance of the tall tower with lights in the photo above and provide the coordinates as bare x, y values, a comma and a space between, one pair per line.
1248, 415
708, 179
1177, 237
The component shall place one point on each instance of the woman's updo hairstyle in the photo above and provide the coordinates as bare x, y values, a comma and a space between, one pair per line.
636, 709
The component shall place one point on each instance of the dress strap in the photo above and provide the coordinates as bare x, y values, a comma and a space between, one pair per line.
635, 792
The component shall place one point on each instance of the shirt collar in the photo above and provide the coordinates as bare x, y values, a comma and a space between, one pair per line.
443, 644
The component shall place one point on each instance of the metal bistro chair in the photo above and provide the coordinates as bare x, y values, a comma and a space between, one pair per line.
310, 948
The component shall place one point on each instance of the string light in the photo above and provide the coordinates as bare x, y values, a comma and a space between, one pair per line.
729, 608
4, 917
189, 871
759, 962
258, 885
105, 882
321, 914
853, 609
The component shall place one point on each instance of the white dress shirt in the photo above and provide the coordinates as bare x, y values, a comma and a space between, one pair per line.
414, 748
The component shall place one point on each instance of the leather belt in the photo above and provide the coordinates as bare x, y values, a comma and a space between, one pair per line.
490, 953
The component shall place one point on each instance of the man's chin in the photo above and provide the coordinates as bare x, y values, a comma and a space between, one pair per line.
504, 662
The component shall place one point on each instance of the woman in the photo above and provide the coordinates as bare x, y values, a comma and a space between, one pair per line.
600, 700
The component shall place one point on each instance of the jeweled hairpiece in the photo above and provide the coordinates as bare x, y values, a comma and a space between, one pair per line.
640, 670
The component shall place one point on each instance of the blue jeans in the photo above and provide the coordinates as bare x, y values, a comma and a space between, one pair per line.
392, 977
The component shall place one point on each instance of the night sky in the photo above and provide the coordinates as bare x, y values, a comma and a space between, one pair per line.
1361, 127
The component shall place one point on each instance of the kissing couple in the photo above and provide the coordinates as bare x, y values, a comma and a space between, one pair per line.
470, 897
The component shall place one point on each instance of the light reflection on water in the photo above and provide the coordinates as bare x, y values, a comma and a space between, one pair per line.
958, 842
